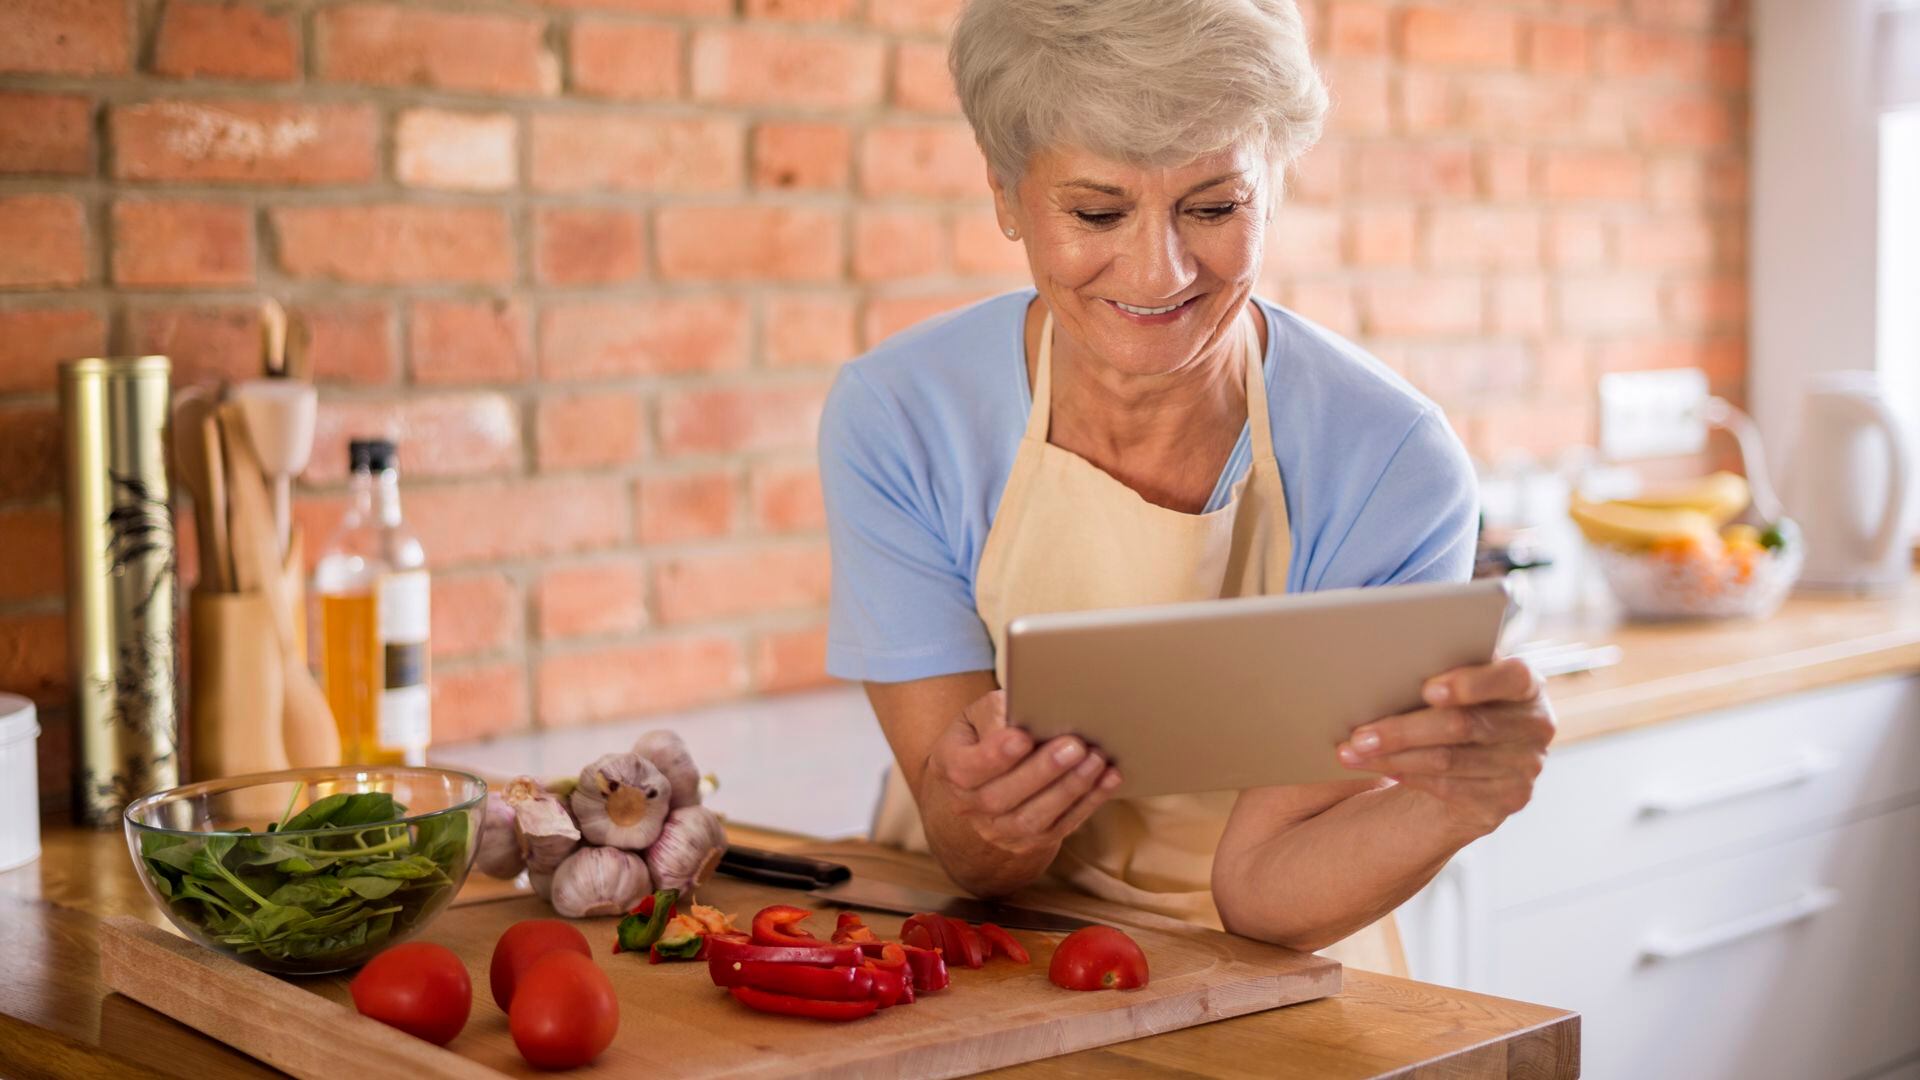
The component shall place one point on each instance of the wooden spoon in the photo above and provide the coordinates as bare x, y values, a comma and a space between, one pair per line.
191, 407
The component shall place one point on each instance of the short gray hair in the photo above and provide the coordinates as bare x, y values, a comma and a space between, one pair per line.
1153, 82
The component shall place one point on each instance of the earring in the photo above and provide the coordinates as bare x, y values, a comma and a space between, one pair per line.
1013, 234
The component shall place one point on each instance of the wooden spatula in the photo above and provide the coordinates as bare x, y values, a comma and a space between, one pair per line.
187, 434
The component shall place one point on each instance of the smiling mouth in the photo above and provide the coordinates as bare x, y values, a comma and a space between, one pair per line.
1133, 310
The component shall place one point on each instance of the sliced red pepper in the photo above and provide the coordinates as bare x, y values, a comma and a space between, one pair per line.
929, 970
849, 929
800, 980
891, 986
788, 1005
731, 947
780, 925
889, 955
1004, 944
923, 931
970, 939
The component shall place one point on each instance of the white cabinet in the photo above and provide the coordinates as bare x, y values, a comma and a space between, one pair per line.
1737, 895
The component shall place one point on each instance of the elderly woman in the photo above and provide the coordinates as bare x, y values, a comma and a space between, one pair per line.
1139, 428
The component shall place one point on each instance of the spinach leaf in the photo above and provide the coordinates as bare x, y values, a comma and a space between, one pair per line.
314, 892
317, 815
372, 888
409, 868
366, 808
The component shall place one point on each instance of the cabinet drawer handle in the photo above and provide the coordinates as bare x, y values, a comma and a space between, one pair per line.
1663, 946
1798, 771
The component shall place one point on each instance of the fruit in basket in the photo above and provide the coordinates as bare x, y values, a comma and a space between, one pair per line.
1621, 525
1722, 497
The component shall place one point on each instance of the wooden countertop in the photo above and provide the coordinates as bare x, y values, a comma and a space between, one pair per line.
1671, 670
57, 1020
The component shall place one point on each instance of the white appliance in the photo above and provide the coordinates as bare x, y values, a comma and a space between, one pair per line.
1848, 485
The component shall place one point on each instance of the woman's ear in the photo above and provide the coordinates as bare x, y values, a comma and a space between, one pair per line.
1003, 206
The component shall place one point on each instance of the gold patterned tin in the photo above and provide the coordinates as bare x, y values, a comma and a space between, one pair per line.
121, 621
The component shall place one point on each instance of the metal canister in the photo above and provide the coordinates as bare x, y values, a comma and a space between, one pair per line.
122, 625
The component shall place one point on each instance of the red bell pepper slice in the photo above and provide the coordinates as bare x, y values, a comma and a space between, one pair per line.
788, 1005
800, 980
780, 925
970, 940
891, 986
929, 970
730, 947
1004, 944
850, 929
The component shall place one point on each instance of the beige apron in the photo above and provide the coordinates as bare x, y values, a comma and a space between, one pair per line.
1069, 537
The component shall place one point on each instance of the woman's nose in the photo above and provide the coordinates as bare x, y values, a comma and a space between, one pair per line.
1161, 265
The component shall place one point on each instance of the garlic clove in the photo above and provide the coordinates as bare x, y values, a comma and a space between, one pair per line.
498, 852
689, 846
599, 881
547, 833
668, 753
621, 801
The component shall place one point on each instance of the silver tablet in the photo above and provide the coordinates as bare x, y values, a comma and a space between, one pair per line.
1231, 694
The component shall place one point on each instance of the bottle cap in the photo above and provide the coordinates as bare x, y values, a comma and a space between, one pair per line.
370, 455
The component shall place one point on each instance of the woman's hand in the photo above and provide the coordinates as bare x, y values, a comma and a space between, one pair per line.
1476, 748
988, 779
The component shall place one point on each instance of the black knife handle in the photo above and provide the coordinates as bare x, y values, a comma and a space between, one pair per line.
786, 871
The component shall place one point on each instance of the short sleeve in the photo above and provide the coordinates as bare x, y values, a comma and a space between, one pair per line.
1420, 521
902, 606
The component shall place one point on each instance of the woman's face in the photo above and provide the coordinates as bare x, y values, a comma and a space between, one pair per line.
1144, 268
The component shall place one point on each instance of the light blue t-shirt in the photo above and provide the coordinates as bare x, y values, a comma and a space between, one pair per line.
919, 436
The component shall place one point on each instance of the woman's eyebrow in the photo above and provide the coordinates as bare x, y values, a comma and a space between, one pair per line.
1118, 192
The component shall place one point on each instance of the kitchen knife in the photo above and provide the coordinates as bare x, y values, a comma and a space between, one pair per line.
835, 884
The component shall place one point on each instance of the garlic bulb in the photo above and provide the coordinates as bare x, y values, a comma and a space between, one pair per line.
689, 846
547, 833
621, 801
498, 852
668, 752
599, 881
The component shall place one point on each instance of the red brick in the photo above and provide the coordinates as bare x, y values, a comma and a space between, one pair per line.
662, 336
728, 584
31, 453
802, 156
1719, 355
349, 342
1519, 107
803, 330
1729, 63
1506, 173
1665, 244
592, 599
1559, 48
1692, 14
1306, 238
589, 430
168, 242
478, 702
891, 244
64, 37
915, 16
672, 508
802, 10
1575, 241
1414, 171
612, 683
460, 341
589, 246
752, 66
206, 343
1423, 307
1331, 304
1564, 370
1362, 96
791, 660
1423, 101
734, 420
1319, 177
1536, 428
786, 497
1687, 119
1479, 236
50, 134
34, 340
1356, 29
440, 435
717, 8
1382, 237
1608, 304
575, 152
33, 657
393, 244
749, 242
1452, 37
888, 315
473, 614
922, 159
490, 522
921, 81
1608, 116
1690, 182
225, 40
1594, 175
395, 45
35, 542
981, 249
456, 151
255, 142
1519, 306
1707, 302
1632, 52
626, 61
46, 245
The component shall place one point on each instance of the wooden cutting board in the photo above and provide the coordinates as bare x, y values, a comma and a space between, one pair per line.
674, 1022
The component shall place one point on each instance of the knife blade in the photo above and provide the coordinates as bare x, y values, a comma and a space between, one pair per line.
835, 884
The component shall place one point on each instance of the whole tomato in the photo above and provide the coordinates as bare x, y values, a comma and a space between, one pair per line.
564, 1012
1098, 958
420, 988
522, 944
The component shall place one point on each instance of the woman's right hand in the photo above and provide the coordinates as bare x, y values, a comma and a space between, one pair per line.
987, 777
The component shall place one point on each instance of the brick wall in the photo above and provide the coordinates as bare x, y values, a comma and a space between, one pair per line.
594, 262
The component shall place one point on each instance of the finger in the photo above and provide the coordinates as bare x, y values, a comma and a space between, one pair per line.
1083, 808
1509, 679
1038, 813
1460, 762
1018, 783
979, 746
1422, 727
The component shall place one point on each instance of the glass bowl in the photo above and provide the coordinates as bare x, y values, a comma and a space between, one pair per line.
1656, 586
307, 871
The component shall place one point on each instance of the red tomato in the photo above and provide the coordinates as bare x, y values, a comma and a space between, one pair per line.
521, 945
419, 988
1098, 958
564, 1012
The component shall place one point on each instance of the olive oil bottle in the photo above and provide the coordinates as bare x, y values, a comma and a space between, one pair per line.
374, 614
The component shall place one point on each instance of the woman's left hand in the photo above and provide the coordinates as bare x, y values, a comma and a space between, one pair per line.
1477, 747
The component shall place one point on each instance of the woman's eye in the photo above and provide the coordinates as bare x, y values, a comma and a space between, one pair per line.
1215, 213
1097, 217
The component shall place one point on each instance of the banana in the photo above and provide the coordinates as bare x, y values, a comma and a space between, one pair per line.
1623, 525
1722, 497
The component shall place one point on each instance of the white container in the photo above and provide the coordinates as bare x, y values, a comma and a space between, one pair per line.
19, 782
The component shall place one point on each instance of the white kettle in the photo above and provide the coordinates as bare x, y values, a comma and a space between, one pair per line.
1849, 485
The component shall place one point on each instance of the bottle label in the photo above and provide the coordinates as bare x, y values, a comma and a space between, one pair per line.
406, 721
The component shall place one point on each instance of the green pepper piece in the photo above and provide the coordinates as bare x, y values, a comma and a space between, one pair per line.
637, 932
